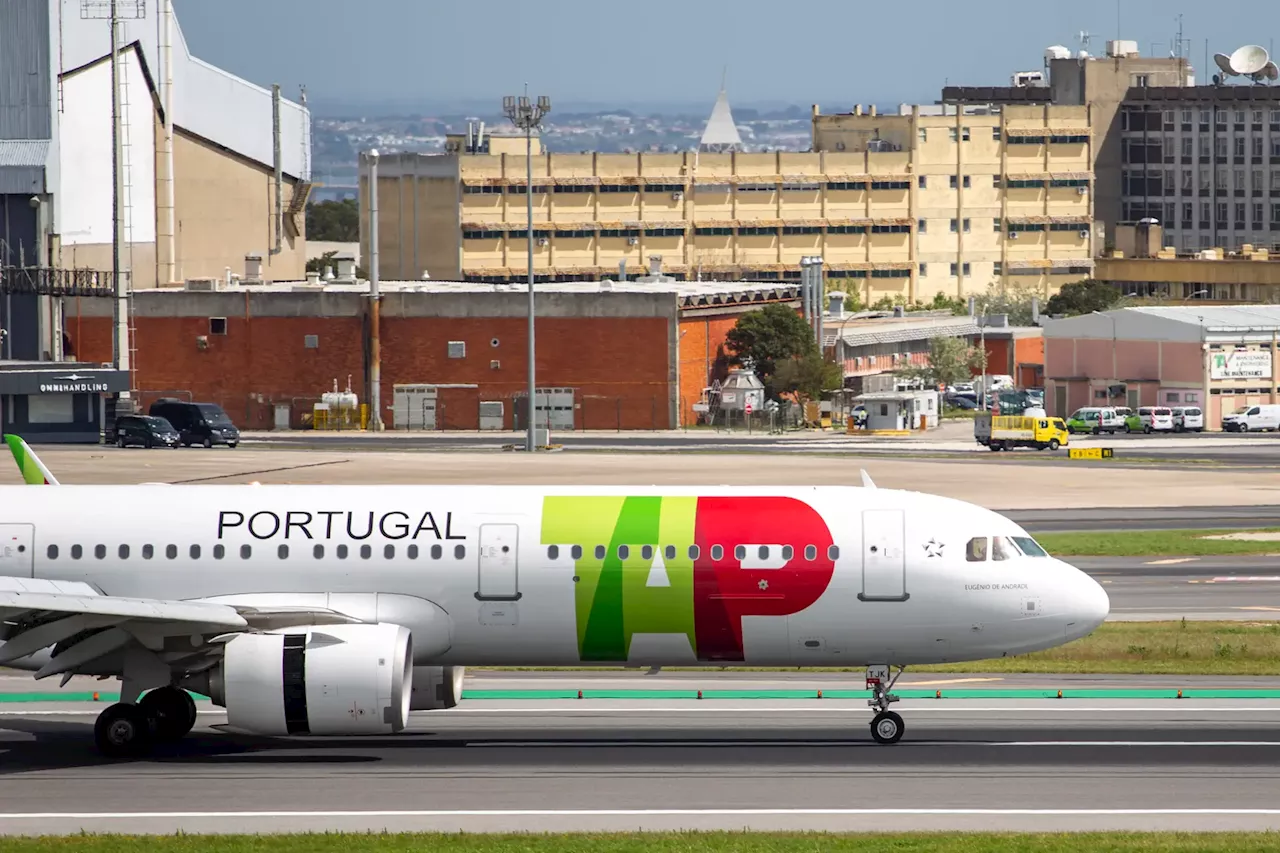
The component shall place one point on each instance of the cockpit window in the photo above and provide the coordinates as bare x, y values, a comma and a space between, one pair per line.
976, 550
1029, 546
1002, 549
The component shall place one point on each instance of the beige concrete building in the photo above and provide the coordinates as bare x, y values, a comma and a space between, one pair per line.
898, 206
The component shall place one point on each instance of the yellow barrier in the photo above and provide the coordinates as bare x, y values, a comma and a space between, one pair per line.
1091, 453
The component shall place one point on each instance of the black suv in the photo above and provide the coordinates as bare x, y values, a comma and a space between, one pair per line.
145, 430
198, 423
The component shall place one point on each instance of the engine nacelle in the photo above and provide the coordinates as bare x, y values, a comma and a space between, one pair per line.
328, 680
436, 687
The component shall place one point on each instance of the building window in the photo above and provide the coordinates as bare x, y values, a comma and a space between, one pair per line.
966, 270
954, 270
964, 134
955, 226
997, 268
217, 325
954, 133
954, 182
924, 137
924, 180
922, 226
995, 133
966, 226
997, 225
924, 269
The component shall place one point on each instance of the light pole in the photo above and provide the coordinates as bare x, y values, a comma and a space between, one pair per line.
527, 115
1194, 295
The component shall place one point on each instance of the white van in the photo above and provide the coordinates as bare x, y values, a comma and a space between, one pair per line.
1248, 418
1155, 419
1188, 419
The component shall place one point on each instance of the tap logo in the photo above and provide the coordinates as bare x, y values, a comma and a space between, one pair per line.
681, 572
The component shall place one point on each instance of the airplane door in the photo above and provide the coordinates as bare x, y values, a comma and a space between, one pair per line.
884, 561
499, 578
17, 550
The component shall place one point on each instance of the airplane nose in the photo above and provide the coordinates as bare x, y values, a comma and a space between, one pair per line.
1090, 606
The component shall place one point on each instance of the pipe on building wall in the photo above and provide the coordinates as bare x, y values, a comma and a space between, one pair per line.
279, 177
375, 297
167, 248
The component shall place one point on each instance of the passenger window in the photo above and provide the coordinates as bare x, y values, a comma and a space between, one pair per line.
1000, 549
389, 552
623, 552
246, 551
576, 552
553, 552
100, 551
318, 552
669, 552
76, 552
124, 552
282, 551
219, 552
53, 552
195, 552
764, 552
976, 550
694, 551
787, 552
342, 552
148, 551
740, 552
646, 552
366, 552
810, 552
413, 552
460, 551
436, 552
717, 552
600, 552
171, 551
833, 552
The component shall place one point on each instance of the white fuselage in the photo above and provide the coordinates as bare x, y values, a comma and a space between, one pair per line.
597, 575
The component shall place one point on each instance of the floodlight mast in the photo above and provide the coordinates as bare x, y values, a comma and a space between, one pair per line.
527, 115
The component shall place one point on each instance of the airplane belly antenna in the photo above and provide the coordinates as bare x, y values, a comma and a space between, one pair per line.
866, 480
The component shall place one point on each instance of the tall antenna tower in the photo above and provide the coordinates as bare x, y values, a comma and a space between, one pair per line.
115, 11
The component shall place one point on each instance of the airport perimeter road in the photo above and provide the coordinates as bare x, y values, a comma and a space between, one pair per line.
1146, 518
616, 765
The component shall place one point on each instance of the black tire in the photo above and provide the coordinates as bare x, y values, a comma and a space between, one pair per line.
123, 731
1097, 431
208, 442
232, 444
150, 443
1146, 430
1053, 444
887, 727
120, 441
173, 710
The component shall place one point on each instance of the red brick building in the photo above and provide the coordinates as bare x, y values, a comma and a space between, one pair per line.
634, 355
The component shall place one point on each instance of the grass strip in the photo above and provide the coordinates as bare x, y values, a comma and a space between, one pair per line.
658, 842
1156, 543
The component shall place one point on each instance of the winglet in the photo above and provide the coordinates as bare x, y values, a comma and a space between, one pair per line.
34, 472
866, 480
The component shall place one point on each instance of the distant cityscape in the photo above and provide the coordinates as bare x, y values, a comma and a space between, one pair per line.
338, 140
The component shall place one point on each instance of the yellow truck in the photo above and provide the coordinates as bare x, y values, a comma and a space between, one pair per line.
1002, 432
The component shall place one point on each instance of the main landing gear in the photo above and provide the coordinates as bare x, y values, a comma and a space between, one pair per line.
886, 726
163, 715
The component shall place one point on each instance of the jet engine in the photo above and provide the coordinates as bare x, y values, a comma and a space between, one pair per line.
436, 687
317, 680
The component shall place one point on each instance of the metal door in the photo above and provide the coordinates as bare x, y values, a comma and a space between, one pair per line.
884, 559
17, 550
498, 578
414, 406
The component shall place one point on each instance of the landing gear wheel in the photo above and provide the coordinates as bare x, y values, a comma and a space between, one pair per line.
174, 712
887, 727
123, 731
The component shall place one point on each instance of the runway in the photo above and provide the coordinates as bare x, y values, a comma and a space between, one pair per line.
615, 765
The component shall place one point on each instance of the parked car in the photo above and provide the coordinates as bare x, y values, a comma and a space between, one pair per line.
1150, 419
144, 430
1188, 419
1249, 418
198, 423
1094, 420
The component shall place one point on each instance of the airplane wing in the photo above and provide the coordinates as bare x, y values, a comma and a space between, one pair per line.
85, 626
34, 472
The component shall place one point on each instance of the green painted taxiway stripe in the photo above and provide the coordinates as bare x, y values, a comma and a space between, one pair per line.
979, 693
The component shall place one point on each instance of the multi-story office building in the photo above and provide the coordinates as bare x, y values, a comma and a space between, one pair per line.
904, 206
1205, 162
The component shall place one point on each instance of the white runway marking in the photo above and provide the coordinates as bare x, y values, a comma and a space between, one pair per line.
793, 743
128, 816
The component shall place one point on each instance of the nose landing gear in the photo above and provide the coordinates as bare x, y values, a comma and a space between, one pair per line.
886, 727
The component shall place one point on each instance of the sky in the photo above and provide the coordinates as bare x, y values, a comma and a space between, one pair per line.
608, 53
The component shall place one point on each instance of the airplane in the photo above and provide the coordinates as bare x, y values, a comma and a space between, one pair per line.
338, 610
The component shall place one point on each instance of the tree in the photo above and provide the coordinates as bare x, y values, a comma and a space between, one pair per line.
808, 377
334, 221
762, 339
951, 360
1083, 297
1014, 301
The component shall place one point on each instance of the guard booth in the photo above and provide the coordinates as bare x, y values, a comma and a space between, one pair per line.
901, 410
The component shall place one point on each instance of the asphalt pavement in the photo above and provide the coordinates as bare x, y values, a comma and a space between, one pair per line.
1048, 765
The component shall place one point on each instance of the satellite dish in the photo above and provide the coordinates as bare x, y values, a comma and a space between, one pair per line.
1249, 60
1270, 71
1224, 62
